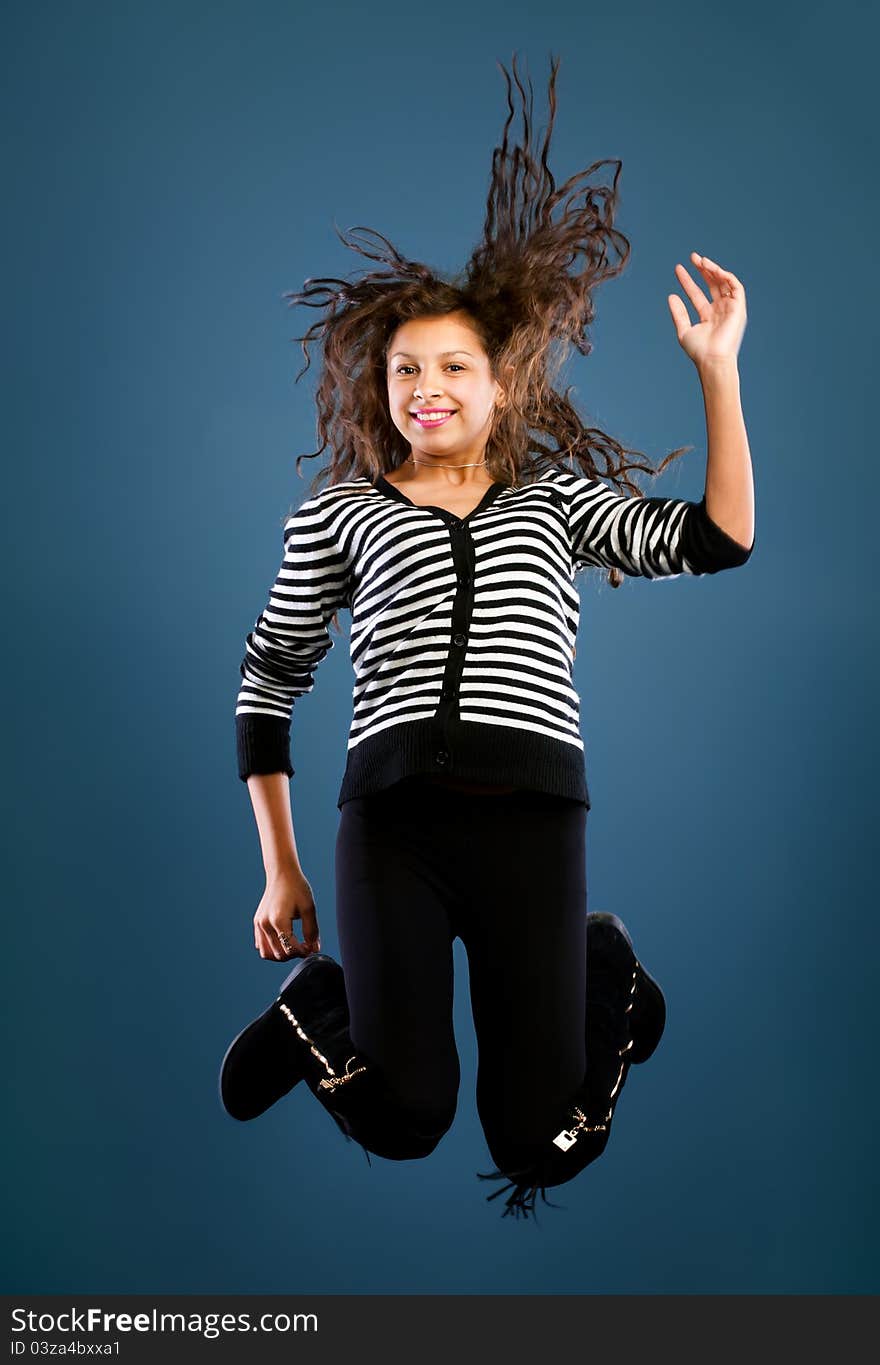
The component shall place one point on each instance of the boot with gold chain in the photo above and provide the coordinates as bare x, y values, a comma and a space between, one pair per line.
303, 1035
625, 1019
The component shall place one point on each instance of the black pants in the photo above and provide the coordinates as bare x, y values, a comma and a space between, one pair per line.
417, 865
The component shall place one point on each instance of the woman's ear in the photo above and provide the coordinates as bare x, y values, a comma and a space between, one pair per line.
500, 394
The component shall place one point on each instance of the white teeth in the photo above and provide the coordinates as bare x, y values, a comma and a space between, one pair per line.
437, 418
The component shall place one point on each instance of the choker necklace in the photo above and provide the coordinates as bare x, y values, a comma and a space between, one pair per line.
447, 466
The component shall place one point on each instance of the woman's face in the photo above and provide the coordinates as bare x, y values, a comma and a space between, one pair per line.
439, 362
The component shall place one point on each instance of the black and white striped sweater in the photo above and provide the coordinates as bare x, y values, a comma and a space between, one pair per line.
462, 629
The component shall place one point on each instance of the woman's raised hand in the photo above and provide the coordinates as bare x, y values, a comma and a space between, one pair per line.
722, 318
288, 897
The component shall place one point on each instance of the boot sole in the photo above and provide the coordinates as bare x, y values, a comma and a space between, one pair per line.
651, 1019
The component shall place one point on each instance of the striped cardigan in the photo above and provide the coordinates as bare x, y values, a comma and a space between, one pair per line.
462, 629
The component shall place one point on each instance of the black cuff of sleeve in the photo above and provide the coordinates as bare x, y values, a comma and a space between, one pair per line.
706, 546
262, 745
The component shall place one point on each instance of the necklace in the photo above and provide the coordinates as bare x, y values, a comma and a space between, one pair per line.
447, 466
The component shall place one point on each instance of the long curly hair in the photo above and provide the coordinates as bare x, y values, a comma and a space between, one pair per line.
527, 291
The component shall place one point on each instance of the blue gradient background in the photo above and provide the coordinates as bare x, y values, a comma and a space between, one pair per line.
173, 170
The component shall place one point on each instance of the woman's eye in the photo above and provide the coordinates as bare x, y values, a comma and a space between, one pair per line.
453, 364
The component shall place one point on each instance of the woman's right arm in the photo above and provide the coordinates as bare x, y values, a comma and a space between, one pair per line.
288, 895
288, 641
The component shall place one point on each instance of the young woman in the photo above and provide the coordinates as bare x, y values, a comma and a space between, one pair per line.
453, 533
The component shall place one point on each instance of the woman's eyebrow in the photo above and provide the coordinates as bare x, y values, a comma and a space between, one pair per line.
442, 354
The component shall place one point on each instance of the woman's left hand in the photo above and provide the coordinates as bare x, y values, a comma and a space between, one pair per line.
718, 333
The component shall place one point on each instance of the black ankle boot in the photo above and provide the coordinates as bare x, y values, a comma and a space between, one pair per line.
574, 1142
626, 1015
315, 1006
303, 1035
262, 1064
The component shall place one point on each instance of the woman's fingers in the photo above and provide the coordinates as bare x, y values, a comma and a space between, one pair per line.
284, 937
693, 291
284, 902
723, 283
267, 944
704, 265
310, 934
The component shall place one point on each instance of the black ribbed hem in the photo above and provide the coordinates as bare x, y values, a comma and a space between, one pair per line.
262, 745
475, 751
706, 546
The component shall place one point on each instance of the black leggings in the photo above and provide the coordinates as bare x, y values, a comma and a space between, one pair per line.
417, 865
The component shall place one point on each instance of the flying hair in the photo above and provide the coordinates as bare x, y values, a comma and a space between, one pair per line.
527, 291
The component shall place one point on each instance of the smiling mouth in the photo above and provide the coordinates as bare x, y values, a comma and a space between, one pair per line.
434, 421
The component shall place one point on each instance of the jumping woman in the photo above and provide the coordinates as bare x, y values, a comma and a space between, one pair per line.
464, 496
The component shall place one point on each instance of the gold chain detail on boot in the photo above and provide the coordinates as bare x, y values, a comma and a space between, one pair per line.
569, 1136
331, 1081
